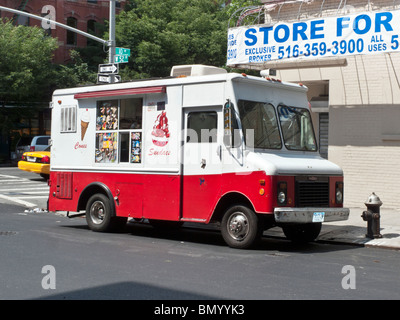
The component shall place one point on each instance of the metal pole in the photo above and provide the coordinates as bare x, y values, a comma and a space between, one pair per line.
112, 32
111, 42
22, 13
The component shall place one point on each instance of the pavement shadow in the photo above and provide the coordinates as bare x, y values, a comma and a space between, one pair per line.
127, 291
352, 234
210, 235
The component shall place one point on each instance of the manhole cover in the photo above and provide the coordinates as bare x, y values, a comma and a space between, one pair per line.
7, 233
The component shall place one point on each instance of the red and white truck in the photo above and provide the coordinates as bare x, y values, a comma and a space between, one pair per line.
200, 146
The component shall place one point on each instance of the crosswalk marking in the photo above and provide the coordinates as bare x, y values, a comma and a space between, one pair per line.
19, 190
13, 199
33, 197
7, 176
22, 192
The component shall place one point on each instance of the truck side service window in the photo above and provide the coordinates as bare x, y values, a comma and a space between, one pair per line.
124, 147
106, 135
130, 121
202, 127
107, 115
118, 131
130, 114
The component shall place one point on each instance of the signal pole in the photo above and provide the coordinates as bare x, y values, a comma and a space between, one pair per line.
111, 42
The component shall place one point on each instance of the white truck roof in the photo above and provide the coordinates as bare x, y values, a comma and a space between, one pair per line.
171, 81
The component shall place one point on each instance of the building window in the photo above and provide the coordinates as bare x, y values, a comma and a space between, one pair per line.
22, 20
91, 28
71, 36
92, 1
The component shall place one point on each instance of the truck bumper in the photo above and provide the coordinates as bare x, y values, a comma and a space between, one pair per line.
310, 215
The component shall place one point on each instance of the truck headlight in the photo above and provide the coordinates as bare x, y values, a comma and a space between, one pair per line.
339, 192
281, 197
282, 193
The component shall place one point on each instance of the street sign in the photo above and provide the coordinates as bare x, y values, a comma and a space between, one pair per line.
121, 58
122, 51
108, 68
107, 78
122, 55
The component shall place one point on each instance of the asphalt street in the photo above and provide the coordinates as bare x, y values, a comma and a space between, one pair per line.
141, 263
49, 256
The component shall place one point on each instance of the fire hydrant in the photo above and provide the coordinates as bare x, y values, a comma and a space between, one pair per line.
372, 216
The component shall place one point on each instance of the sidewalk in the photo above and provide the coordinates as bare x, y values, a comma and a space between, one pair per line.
353, 230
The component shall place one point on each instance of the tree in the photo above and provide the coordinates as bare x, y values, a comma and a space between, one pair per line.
25, 64
161, 34
28, 77
73, 74
27, 74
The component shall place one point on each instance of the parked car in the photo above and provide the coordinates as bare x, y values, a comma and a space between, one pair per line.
28, 143
37, 162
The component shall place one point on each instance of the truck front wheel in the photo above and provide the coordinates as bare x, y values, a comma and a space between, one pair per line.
99, 215
240, 227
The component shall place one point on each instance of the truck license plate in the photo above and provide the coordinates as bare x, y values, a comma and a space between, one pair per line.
318, 217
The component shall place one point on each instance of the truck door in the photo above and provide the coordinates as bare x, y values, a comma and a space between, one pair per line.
202, 163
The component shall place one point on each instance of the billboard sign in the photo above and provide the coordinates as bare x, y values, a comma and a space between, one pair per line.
362, 33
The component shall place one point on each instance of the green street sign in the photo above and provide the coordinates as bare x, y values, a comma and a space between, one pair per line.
122, 51
121, 58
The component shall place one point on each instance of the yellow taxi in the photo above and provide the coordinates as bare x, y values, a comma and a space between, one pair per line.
37, 162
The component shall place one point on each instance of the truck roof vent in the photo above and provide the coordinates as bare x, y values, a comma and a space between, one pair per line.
195, 70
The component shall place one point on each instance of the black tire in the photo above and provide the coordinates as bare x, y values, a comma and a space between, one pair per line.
100, 216
240, 227
302, 233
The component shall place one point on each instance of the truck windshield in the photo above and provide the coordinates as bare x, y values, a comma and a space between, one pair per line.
259, 124
297, 128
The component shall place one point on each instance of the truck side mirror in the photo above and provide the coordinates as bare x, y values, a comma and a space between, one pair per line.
227, 125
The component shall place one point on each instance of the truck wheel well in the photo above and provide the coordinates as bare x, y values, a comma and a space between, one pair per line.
92, 189
228, 200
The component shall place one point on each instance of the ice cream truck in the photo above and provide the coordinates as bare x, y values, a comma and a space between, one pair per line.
201, 146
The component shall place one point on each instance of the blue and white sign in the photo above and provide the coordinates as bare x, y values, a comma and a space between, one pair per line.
362, 33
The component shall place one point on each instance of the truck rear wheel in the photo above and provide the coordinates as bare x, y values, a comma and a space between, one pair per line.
240, 227
99, 215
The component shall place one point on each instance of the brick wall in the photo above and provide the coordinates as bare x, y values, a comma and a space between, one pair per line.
82, 10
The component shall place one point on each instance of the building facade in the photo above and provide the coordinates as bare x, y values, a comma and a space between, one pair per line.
80, 14
355, 100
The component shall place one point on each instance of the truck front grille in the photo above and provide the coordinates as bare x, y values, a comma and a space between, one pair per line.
312, 191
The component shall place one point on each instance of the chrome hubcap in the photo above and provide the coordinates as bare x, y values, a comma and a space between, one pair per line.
238, 226
97, 212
